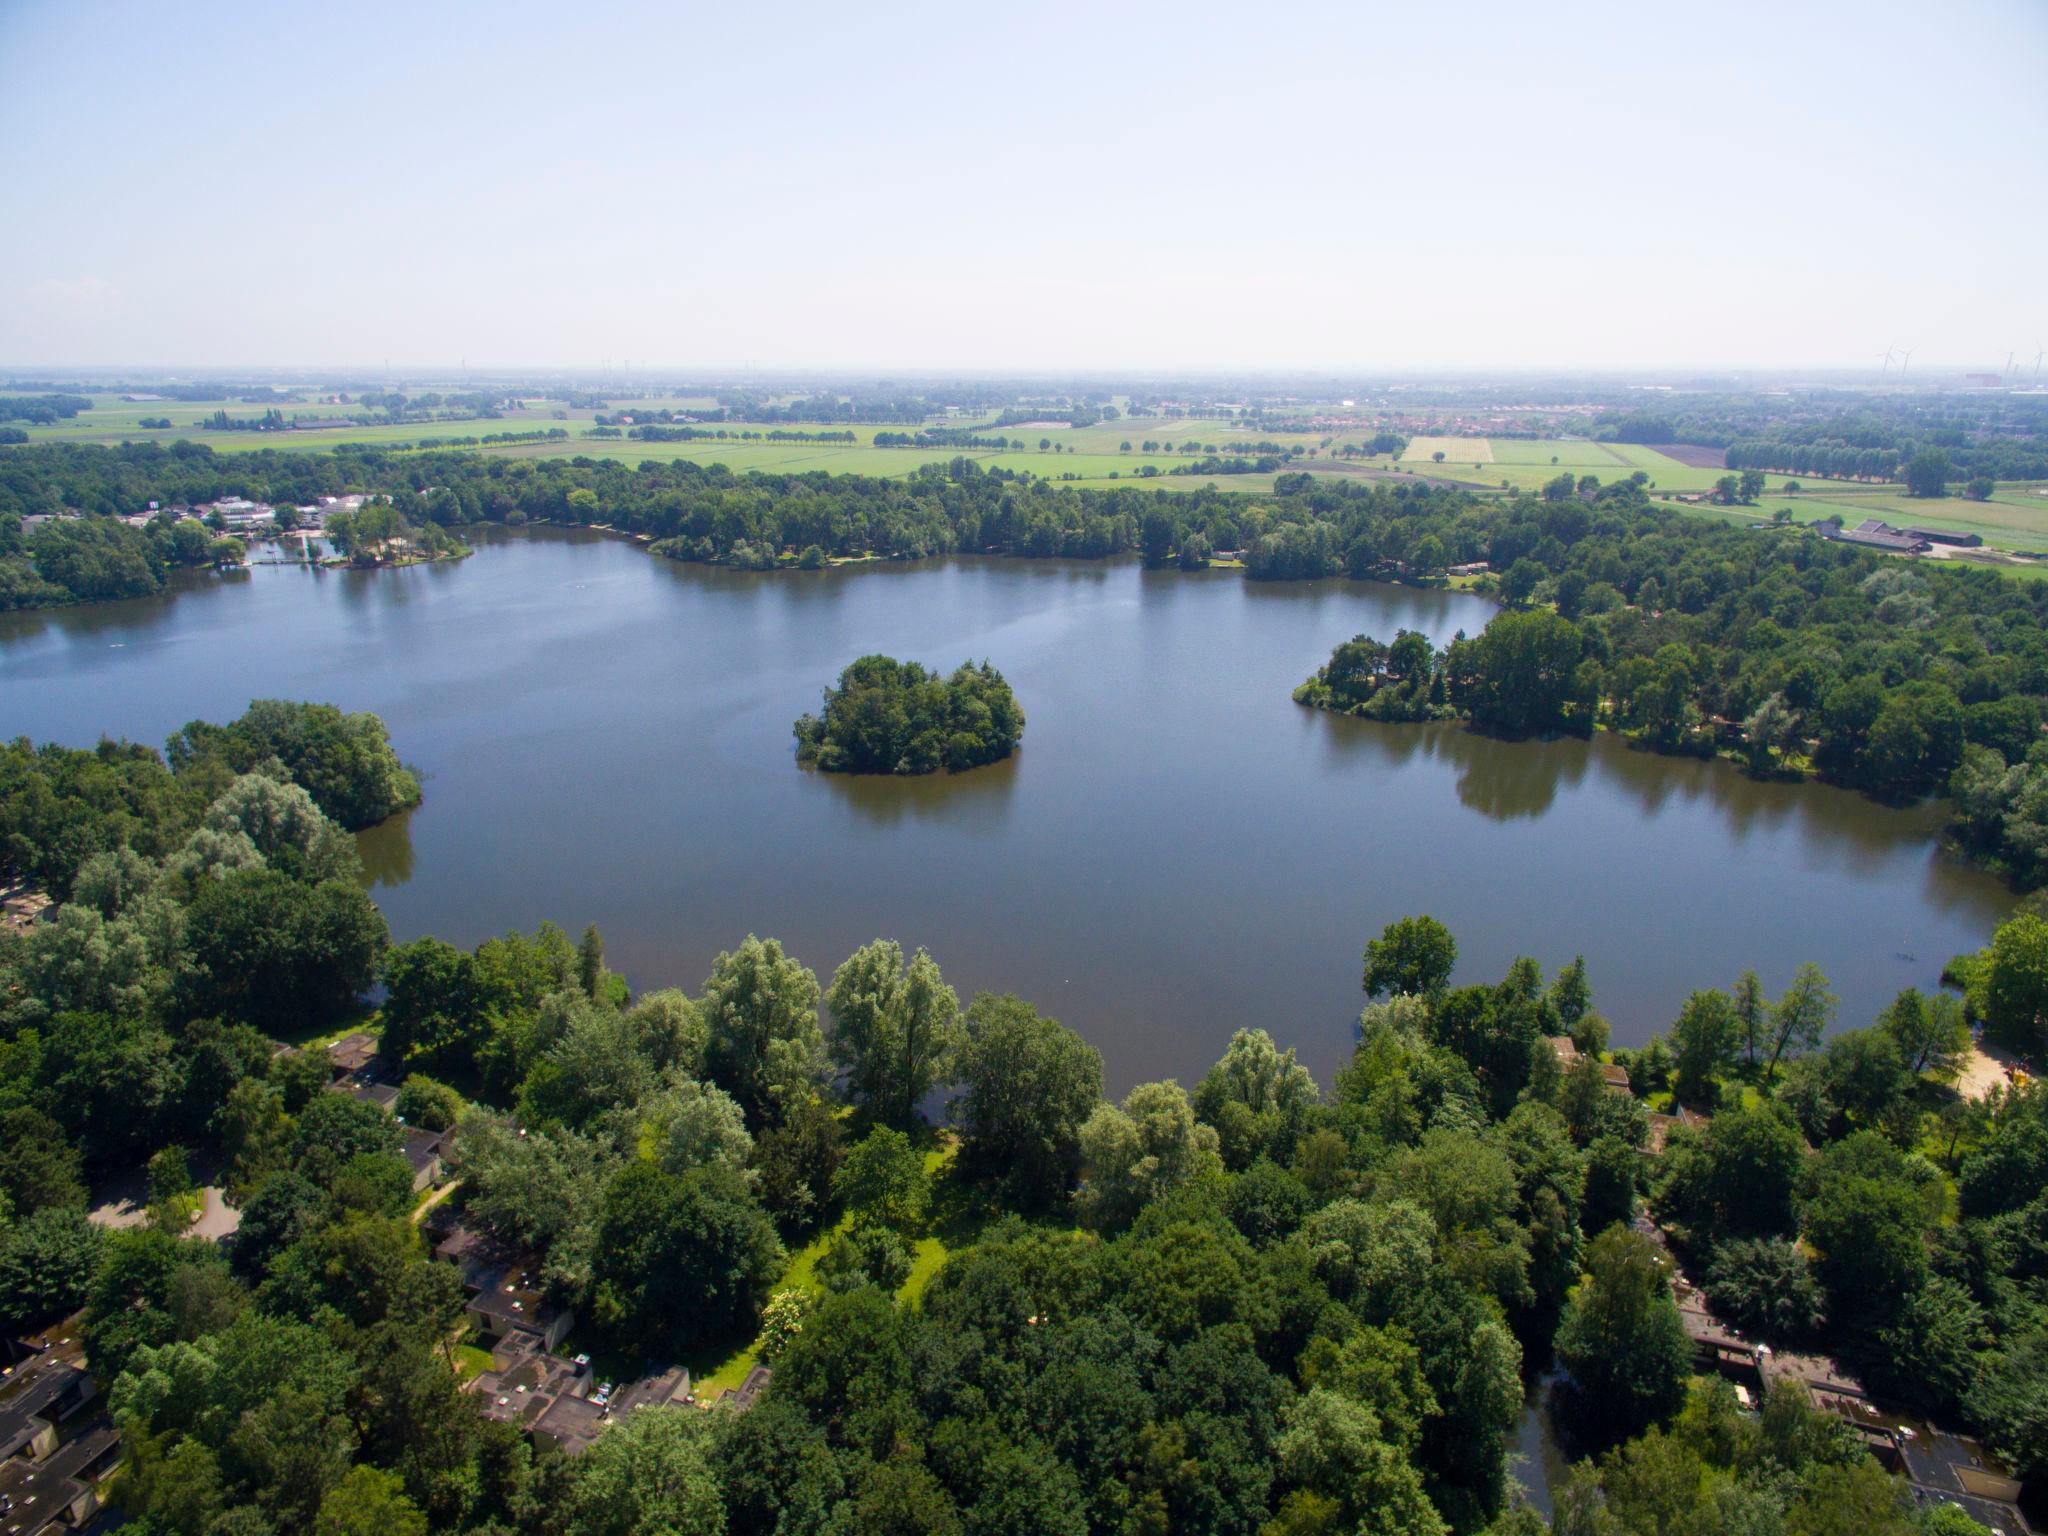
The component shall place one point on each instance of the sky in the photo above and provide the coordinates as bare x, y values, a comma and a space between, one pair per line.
1053, 187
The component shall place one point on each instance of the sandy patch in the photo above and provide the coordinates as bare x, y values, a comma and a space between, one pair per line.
1984, 1068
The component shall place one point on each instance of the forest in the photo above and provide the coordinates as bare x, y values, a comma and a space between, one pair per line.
890, 716
1262, 1307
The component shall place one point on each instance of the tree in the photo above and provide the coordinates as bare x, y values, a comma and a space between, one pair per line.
1703, 1042
1332, 1447
1862, 1214
1132, 1155
1750, 485
1768, 730
1927, 473
1413, 955
1522, 673
434, 1002
2016, 986
763, 1046
651, 1475
1801, 1016
1622, 1341
1570, 995
1257, 1097
590, 962
1738, 1177
1980, 488
1752, 1016
895, 1029
1029, 1082
278, 953
39, 1167
682, 1256
883, 1181
369, 1502
1764, 1286
794, 1163
46, 1263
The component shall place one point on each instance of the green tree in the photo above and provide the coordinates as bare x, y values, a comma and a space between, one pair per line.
1029, 1083
1132, 1155
651, 1475
1413, 954
1801, 1017
46, 1262
434, 1002
883, 1181
681, 1256
1622, 1341
764, 1045
369, 1502
2016, 986
1927, 473
896, 1029
1703, 1043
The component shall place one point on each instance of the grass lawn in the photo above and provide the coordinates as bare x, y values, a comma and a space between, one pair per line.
470, 1362
958, 1219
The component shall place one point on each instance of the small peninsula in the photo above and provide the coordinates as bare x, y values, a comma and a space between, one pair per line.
890, 716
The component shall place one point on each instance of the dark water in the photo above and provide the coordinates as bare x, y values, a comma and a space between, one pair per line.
1177, 851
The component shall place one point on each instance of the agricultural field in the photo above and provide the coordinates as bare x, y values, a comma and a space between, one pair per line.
1463, 450
1528, 462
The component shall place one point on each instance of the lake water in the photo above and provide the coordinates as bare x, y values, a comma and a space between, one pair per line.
1177, 851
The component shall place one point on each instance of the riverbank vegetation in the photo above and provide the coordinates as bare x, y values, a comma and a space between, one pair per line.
890, 716
62, 807
1266, 1305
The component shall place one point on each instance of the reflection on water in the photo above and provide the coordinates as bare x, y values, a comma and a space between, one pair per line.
1537, 1459
977, 801
1178, 851
386, 850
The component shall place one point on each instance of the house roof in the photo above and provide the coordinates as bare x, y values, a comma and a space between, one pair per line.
515, 1296
571, 1422
351, 1053
423, 1148
30, 1400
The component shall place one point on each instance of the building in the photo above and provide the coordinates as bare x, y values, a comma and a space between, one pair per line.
1945, 536
1661, 1126
1568, 1055
351, 1054
35, 1398
510, 1299
559, 1402
1872, 534
60, 1491
423, 1150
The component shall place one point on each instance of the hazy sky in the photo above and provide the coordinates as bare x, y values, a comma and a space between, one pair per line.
1112, 185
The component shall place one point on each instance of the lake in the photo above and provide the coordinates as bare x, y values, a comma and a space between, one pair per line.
1177, 851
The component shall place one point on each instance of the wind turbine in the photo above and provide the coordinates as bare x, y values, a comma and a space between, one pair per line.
1886, 354
1909, 351
2039, 353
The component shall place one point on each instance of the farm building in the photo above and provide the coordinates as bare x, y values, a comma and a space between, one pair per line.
1873, 534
